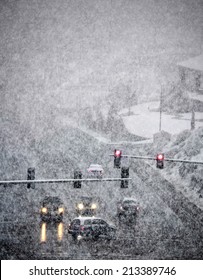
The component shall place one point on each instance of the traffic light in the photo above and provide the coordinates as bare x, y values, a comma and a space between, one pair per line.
124, 174
117, 158
160, 161
77, 175
31, 176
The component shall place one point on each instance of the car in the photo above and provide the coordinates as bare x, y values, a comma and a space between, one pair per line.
87, 206
52, 209
128, 209
91, 228
95, 170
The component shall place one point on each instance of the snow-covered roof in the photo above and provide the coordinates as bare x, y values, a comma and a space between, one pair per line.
129, 199
194, 63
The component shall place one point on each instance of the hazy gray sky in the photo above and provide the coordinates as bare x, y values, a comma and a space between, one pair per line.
89, 46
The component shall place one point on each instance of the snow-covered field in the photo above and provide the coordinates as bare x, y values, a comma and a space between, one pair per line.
144, 121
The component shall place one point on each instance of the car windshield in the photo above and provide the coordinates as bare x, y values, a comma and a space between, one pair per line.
96, 221
52, 200
86, 200
129, 202
87, 222
76, 222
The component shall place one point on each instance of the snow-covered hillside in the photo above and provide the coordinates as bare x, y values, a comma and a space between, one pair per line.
184, 144
187, 178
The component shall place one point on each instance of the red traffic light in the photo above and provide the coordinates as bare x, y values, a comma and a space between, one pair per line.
117, 153
160, 157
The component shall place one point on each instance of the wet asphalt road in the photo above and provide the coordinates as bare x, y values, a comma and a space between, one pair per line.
163, 229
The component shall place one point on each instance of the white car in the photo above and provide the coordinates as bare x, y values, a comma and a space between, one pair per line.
95, 170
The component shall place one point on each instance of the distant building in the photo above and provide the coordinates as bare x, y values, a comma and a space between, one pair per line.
161, 137
191, 73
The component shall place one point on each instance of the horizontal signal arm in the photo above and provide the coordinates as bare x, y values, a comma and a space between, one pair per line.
183, 161
17, 182
165, 159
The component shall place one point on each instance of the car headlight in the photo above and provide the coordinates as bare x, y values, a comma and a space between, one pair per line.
93, 206
44, 210
79, 237
60, 210
80, 206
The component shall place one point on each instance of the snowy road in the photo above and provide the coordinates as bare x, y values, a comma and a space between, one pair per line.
161, 231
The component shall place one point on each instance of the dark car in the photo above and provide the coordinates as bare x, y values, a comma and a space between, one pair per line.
87, 206
128, 209
52, 209
91, 228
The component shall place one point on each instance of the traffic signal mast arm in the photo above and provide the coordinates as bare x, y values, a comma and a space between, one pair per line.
128, 156
16, 182
165, 159
184, 161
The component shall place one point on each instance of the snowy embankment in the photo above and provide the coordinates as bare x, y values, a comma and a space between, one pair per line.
105, 139
188, 178
145, 117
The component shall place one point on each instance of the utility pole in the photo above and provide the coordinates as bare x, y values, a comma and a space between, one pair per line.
193, 118
160, 109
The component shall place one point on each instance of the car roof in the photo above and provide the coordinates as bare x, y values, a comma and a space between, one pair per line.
129, 199
83, 218
95, 165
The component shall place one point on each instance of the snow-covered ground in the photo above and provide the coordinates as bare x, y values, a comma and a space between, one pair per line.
196, 96
101, 138
145, 121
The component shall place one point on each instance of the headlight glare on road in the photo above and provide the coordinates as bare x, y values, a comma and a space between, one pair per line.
93, 206
44, 210
80, 206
